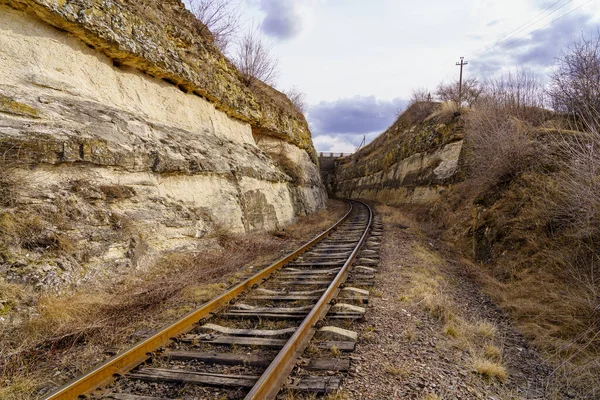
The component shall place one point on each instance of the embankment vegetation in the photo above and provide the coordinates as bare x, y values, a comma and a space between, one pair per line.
529, 208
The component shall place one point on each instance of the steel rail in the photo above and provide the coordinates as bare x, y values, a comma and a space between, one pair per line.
121, 363
271, 381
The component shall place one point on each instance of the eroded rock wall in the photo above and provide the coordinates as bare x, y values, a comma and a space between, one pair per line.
414, 161
125, 134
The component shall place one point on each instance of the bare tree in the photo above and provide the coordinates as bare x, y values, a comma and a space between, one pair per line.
420, 95
471, 90
221, 17
297, 98
254, 60
419, 103
517, 89
575, 81
519, 93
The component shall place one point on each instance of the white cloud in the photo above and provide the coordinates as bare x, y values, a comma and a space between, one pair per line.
333, 143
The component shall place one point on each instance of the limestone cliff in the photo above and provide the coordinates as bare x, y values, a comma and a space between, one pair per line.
125, 133
413, 161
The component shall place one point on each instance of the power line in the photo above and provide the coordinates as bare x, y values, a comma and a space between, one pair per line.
542, 27
517, 28
522, 28
551, 22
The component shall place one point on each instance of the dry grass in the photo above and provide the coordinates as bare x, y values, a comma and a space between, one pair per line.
368, 335
32, 232
430, 289
396, 370
10, 294
485, 329
446, 112
392, 218
69, 331
19, 389
335, 351
314, 223
492, 352
338, 395
489, 369
529, 211
410, 334
451, 330
428, 286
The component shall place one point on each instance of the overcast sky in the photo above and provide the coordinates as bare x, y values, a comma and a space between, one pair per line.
357, 61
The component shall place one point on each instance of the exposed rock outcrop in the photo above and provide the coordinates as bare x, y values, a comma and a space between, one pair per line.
125, 133
411, 162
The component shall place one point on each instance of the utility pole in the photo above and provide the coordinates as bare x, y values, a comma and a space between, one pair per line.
461, 63
362, 143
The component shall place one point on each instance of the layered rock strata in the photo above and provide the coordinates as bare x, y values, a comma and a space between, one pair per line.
413, 161
122, 120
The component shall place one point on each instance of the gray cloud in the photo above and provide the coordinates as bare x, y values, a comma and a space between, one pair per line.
283, 19
536, 51
358, 115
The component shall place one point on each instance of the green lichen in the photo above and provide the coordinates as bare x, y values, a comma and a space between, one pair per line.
10, 106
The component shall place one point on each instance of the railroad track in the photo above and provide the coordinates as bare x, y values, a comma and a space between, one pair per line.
287, 328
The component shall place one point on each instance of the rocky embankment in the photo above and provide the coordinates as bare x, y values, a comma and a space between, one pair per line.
125, 133
413, 161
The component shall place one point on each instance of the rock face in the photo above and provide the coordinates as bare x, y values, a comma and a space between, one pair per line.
124, 133
412, 162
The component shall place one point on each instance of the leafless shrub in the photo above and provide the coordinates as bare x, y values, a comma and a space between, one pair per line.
500, 145
575, 81
420, 95
419, 103
471, 90
254, 60
501, 127
576, 89
297, 98
221, 17
519, 92
572, 212
578, 199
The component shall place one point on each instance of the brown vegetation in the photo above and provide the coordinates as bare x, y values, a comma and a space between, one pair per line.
529, 211
297, 98
471, 90
221, 17
254, 60
431, 287
575, 81
68, 332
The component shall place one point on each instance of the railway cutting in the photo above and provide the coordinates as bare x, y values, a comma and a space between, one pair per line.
288, 329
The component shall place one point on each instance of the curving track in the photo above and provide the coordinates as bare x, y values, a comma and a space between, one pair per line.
246, 342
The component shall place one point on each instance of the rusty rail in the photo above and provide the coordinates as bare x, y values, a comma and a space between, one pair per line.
139, 353
274, 376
